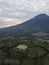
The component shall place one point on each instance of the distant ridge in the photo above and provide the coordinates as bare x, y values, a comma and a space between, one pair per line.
39, 23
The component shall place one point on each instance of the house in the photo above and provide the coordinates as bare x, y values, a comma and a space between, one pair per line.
21, 48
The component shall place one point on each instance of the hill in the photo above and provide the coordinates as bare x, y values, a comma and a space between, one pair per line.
38, 24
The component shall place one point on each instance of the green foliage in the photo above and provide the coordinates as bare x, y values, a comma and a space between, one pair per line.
38, 49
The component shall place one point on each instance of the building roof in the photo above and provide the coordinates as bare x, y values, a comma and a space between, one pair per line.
22, 47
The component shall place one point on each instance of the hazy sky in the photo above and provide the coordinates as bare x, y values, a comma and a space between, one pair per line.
13, 12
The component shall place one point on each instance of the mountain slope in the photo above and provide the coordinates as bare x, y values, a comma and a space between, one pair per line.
37, 24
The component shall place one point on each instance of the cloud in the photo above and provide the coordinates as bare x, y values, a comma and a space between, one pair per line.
6, 22
22, 9
11, 7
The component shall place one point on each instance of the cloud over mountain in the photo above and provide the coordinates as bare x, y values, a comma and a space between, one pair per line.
23, 9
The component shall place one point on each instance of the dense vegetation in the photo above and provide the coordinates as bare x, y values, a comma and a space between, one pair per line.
39, 51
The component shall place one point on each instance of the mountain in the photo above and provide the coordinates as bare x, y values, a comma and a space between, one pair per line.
39, 23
